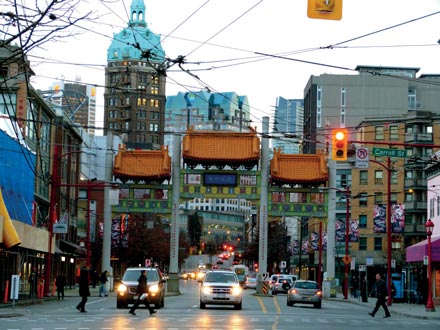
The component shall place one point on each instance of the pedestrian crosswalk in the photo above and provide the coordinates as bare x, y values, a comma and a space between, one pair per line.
199, 321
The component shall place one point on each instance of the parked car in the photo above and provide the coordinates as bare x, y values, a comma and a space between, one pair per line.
126, 290
305, 292
221, 287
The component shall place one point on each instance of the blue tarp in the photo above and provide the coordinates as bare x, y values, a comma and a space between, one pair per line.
17, 178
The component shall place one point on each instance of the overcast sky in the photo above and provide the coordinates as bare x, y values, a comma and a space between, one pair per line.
224, 37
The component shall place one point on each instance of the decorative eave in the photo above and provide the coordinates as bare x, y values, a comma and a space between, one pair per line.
298, 169
142, 165
221, 148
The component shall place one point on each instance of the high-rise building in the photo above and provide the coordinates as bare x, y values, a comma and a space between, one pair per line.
135, 84
204, 110
77, 101
288, 125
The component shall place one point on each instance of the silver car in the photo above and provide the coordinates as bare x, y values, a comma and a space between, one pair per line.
221, 287
304, 292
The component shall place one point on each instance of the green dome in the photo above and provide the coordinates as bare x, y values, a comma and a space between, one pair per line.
136, 39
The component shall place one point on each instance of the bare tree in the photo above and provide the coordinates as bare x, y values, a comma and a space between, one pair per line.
28, 24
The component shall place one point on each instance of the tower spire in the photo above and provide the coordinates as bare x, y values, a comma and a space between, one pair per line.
137, 17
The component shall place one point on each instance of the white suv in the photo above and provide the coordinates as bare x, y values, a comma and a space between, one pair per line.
221, 287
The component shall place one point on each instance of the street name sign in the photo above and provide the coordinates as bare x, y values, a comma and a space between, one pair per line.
382, 152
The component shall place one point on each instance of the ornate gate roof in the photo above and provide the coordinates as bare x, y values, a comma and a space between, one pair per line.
298, 169
142, 165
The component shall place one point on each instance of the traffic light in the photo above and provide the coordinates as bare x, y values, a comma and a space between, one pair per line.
339, 144
325, 9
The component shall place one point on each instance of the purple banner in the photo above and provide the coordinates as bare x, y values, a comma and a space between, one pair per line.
354, 230
398, 218
379, 212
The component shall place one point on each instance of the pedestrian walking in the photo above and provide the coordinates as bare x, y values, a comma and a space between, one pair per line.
103, 280
33, 283
382, 296
142, 294
364, 290
84, 290
60, 283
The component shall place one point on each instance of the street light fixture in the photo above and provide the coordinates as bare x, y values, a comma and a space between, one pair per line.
429, 225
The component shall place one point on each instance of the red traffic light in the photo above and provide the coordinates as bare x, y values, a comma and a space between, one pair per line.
339, 144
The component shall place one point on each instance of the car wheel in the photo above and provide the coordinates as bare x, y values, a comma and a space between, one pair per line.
120, 304
274, 292
317, 305
289, 303
202, 305
238, 306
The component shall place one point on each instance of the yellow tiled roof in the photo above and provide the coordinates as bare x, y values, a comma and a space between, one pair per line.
298, 168
221, 146
142, 164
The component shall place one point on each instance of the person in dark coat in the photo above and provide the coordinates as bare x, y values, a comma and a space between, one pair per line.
60, 283
33, 283
141, 289
364, 290
103, 280
381, 295
84, 290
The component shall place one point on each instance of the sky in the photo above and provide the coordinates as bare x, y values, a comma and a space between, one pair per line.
222, 41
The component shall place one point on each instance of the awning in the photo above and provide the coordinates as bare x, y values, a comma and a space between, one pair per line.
417, 251
9, 236
71, 247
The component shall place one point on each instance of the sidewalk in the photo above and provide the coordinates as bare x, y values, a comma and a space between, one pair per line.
403, 309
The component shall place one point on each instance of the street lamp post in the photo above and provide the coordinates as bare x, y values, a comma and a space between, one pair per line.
429, 225
347, 224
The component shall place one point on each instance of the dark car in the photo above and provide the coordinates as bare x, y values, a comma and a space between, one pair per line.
126, 290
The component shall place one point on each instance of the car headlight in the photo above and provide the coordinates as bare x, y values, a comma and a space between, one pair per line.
236, 291
206, 289
122, 288
154, 288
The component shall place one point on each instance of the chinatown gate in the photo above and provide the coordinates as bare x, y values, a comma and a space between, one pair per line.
220, 165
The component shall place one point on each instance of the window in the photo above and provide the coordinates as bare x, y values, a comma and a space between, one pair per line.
378, 244
378, 198
378, 177
362, 243
343, 117
394, 132
438, 205
379, 134
8, 104
154, 103
394, 177
409, 197
393, 198
363, 221
363, 199
431, 208
343, 96
363, 177
154, 115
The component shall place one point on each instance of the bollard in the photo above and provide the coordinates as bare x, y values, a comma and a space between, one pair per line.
5, 298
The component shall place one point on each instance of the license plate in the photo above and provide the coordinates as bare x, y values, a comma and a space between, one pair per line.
220, 295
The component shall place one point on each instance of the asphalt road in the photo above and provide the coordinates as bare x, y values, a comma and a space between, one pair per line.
182, 312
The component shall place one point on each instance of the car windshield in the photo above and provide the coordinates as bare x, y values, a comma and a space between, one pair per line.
220, 277
133, 275
306, 285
